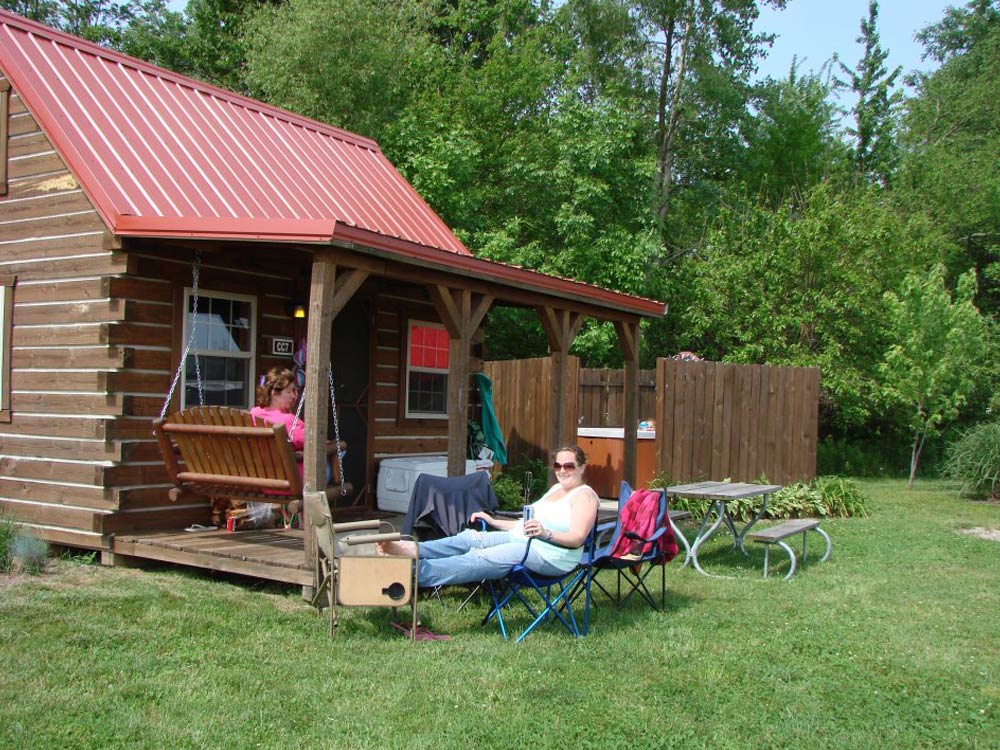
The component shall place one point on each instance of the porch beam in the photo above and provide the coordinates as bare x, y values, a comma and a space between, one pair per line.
391, 267
561, 327
462, 312
628, 340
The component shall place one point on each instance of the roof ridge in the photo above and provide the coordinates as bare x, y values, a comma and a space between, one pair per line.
83, 45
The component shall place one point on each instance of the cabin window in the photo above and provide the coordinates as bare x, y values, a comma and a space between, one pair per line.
426, 370
6, 325
222, 349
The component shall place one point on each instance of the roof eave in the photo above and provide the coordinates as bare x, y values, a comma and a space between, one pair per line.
469, 265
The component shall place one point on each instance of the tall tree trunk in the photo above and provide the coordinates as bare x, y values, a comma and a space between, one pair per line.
918, 446
668, 114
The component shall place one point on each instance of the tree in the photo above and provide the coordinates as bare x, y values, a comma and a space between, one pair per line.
689, 63
101, 21
356, 64
951, 139
791, 141
875, 152
940, 347
803, 285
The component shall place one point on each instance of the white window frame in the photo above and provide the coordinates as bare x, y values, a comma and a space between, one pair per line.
250, 356
412, 413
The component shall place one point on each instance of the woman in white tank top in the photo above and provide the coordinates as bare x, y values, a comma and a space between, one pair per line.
563, 519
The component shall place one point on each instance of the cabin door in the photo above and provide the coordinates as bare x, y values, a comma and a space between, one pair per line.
350, 353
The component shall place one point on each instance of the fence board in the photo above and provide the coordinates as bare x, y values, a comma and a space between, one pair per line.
713, 420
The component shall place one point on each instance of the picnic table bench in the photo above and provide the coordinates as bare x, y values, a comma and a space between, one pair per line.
777, 535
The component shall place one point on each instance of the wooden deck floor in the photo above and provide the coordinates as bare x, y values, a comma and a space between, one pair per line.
272, 554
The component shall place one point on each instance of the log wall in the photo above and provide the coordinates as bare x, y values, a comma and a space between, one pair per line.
64, 345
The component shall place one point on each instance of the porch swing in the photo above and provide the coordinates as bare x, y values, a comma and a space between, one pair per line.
221, 452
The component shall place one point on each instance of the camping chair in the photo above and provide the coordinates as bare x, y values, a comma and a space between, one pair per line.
216, 451
543, 597
441, 506
358, 580
633, 556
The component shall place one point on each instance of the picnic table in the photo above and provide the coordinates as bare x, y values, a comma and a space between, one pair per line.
722, 493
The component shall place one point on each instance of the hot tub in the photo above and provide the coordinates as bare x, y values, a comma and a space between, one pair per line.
605, 449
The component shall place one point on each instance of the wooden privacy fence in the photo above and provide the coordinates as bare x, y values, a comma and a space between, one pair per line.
602, 397
522, 394
713, 421
742, 422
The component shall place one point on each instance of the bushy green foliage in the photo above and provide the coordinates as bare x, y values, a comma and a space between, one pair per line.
974, 460
509, 486
824, 497
509, 492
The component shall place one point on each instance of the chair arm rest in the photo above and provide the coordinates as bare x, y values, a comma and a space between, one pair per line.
371, 538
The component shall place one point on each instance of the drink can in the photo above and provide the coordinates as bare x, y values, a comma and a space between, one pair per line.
230, 524
527, 512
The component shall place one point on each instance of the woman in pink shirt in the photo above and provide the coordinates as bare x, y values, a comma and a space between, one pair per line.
277, 395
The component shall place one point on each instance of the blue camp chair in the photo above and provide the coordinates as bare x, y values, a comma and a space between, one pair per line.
632, 570
544, 597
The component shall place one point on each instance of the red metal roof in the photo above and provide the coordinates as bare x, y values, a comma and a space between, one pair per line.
162, 155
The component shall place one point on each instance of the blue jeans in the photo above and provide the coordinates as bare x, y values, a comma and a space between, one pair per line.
473, 556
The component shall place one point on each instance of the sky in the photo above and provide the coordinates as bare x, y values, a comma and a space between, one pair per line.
813, 30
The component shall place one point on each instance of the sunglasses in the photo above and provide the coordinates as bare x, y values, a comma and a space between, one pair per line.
565, 467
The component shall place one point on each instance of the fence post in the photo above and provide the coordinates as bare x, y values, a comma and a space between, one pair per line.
628, 340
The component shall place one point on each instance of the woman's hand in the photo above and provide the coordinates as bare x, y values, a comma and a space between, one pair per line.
535, 528
481, 516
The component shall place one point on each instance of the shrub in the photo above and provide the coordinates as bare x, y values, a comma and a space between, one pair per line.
30, 553
509, 492
509, 486
19, 550
842, 498
974, 460
8, 530
824, 497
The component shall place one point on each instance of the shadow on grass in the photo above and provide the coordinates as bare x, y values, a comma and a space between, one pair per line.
442, 614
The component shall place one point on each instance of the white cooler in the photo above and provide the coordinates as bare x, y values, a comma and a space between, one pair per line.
396, 477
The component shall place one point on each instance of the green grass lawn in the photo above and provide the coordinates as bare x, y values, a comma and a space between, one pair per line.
895, 642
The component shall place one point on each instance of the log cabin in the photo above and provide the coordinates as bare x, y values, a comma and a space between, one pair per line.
127, 192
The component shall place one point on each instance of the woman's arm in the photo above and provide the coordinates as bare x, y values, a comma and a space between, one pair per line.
504, 524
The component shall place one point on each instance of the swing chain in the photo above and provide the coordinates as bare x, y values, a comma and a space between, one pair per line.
336, 425
195, 279
336, 430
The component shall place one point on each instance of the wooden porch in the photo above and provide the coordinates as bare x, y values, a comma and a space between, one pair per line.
269, 554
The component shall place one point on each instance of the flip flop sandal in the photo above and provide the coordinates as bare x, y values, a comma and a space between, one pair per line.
422, 633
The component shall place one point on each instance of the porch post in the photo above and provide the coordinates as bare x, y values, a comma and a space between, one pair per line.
328, 293
561, 327
462, 313
628, 340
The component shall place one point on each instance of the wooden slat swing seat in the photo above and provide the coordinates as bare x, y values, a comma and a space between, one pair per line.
217, 451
